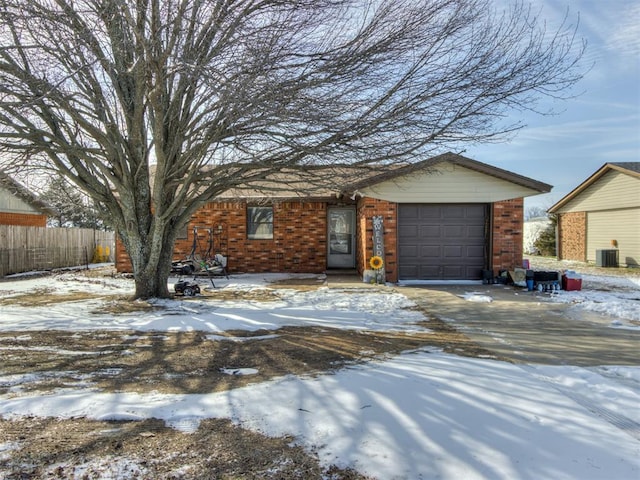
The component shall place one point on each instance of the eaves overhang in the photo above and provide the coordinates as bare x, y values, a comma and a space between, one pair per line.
628, 168
453, 158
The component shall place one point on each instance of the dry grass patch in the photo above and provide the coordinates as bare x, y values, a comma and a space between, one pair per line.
191, 362
177, 362
80, 448
40, 297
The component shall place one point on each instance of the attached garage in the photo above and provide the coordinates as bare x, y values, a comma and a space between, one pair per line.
447, 218
442, 242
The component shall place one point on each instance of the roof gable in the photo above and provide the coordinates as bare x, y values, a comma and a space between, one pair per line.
324, 182
453, 158
632, 169
18, 191
450, 178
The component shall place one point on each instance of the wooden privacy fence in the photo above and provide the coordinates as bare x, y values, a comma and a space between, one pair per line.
26, 249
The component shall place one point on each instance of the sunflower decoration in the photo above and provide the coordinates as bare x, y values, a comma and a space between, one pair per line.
376, 262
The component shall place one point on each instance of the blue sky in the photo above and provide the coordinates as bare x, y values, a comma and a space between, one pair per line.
602, 124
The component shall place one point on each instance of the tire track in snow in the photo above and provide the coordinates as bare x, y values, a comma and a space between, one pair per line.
627, 425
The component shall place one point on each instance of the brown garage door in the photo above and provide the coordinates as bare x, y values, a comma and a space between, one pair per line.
441, 242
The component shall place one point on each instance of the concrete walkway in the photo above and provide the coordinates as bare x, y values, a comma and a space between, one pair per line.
525, 327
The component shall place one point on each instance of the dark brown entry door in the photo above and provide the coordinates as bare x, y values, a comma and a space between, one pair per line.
442, 242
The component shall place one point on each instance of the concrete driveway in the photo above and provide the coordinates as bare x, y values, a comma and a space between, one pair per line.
525, 327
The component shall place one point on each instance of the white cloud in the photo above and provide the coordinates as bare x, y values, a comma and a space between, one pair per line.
623, 35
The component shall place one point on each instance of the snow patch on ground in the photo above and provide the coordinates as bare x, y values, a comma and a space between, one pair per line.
420, 415
477, 297
365, 310
423, 414
614, 297
240, 371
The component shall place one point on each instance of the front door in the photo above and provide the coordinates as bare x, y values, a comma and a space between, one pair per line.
342, 242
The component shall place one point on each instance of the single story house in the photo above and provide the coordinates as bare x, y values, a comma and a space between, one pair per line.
599, 220
18, 206
445, 218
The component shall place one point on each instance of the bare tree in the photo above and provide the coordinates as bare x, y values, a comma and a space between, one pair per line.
535, 211
72, 207
154, 107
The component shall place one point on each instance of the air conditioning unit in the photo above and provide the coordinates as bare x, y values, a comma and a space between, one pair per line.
607, 258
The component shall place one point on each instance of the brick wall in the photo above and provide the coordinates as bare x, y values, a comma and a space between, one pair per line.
572, 241
507, 235
23, 219
298, 245
367, 209
122, 259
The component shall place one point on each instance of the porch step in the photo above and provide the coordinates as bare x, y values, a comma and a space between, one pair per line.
341, 271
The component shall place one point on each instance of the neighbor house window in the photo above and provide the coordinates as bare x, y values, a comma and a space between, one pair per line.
260, 222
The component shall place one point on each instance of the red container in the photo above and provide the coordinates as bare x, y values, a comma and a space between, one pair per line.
571, 283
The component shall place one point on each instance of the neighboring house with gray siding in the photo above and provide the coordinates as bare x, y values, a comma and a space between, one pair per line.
18, 206
602, 213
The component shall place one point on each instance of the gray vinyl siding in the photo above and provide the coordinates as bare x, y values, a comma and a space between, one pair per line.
615, 190
623, 226
9, 203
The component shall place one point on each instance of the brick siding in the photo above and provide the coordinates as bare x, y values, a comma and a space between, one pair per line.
367, 209
122, 259
23, 219
507, 235
572, 241
298, 246
300, 237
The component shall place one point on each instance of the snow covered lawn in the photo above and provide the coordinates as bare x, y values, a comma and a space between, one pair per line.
420, 415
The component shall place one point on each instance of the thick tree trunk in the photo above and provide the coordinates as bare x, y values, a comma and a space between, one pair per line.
152, 274
151, 254
152, 281
148, 285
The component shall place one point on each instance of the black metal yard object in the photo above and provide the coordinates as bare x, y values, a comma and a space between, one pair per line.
202, 262
186, 288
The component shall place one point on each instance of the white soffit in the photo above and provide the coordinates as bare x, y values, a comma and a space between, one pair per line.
447, 183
